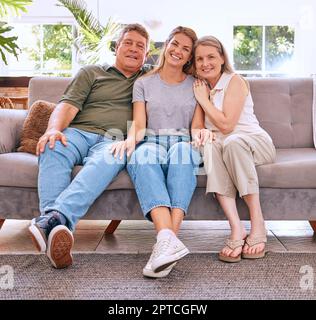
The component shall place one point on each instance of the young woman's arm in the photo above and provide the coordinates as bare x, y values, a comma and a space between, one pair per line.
234, 101
199, 134
136, 132
139, 121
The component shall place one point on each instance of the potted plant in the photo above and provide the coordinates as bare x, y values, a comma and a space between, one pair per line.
93, 41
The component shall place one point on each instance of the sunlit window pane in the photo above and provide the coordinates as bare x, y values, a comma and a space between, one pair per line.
263, 50
57, 40
27, 43
279, 48
248, 47
45, 49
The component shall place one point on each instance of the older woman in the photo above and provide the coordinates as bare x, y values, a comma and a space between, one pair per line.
240, 145
162, 166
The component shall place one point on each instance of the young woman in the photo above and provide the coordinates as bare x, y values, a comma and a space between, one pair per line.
162, 167
240, 145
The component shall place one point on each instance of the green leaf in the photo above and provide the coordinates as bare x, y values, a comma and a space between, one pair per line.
7, 44
94, 39
84, 18
13, 6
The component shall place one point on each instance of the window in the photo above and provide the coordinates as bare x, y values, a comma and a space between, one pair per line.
46, 49
263, 50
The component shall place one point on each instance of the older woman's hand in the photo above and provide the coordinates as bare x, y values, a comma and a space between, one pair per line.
201, 92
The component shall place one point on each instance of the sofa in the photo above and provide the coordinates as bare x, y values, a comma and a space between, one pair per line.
284, 107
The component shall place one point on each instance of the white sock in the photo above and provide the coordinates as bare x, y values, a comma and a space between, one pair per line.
165, 233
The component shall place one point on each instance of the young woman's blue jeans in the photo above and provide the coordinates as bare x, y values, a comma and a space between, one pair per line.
73, 198
163, 170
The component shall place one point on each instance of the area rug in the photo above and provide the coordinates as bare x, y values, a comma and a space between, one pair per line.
197, 276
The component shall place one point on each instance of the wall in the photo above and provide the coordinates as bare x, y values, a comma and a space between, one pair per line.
205, 16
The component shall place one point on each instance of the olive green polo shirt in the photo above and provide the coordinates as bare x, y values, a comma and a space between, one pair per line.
103, 96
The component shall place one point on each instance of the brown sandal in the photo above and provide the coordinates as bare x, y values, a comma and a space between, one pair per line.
252, 242
232, 244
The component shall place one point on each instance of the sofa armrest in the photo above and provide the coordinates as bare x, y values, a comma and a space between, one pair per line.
11, 123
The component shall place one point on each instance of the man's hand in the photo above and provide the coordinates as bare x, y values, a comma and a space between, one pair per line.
120, 147
50, 136
202, 137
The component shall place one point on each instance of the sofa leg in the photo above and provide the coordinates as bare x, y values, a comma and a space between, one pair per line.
1, 222
313, 225
112, 226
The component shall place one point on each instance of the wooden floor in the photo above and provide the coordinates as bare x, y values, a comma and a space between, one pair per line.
139, 236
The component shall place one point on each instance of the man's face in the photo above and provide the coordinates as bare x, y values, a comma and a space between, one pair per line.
131, 53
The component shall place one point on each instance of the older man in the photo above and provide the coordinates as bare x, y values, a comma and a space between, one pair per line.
95, 106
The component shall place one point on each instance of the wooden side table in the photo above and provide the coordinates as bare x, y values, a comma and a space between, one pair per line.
19, 102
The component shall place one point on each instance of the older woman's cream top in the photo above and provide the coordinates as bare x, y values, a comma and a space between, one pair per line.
248, 122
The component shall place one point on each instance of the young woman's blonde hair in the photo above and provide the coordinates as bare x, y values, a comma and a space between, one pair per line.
188, 67
211, 41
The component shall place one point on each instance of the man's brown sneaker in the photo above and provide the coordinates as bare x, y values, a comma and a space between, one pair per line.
59, 245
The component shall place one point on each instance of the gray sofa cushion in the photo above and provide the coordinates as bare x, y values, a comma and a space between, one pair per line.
294, 168
21, 170
11, 123
47, 88
284, 109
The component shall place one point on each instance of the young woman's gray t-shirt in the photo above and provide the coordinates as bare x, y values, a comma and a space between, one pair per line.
169, 107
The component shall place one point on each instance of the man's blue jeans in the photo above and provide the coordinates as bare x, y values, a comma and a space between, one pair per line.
163, 170
73, 198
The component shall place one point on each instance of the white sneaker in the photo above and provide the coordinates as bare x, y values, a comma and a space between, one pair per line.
38, 236
167, 251
149, 272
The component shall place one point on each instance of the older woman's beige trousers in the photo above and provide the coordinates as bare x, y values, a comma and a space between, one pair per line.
230, 162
